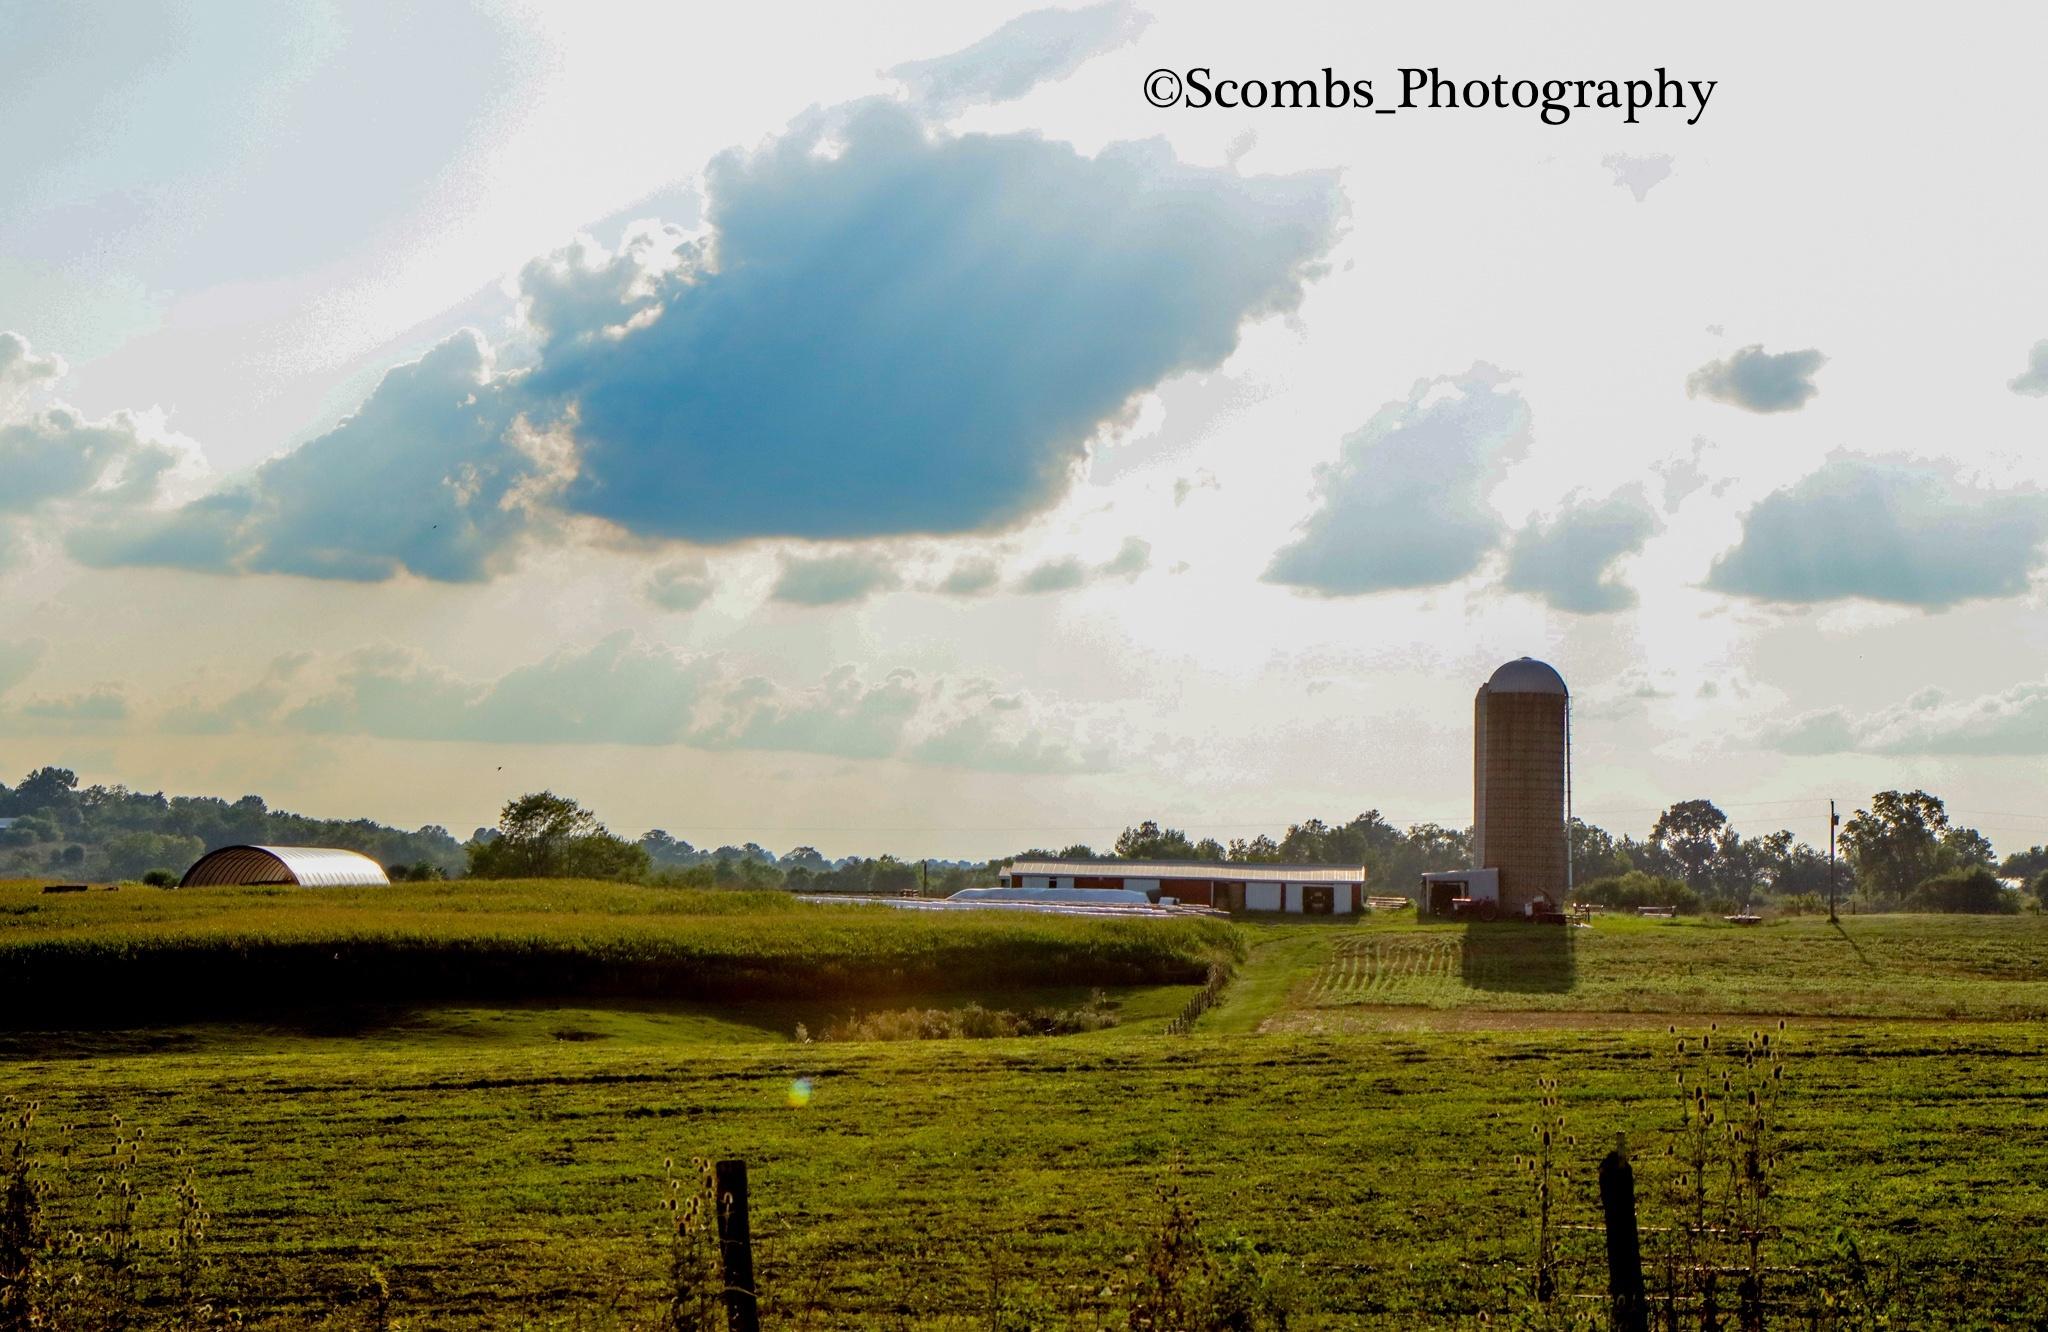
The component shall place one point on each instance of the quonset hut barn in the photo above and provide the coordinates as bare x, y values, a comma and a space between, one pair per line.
1316, 890
306, 866
1521, 795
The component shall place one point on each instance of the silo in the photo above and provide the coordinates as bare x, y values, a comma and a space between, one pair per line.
1520, 776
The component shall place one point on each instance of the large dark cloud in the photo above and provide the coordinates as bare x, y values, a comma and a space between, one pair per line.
1759, 381
886, 330
919, 333
1405, 503
1888, 530
1568, 559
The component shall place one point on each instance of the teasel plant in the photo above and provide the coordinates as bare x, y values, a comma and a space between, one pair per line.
695, 1297
1548, 1174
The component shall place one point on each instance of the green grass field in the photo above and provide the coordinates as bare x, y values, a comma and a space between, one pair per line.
1353, 1110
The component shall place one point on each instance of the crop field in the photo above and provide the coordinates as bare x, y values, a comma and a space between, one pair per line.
139, 952
481, 1163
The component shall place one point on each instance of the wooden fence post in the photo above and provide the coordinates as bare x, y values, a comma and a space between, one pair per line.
736, 1247
1624, 1246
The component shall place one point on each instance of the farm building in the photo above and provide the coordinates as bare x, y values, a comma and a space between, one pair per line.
306, 866
1521, 795
1313, 889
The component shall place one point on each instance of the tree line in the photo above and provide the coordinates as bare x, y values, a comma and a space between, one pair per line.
1900, 852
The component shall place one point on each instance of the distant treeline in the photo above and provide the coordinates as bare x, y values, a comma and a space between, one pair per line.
1901, 852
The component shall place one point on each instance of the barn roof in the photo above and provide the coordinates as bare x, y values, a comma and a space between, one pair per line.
307, 866
1227, 871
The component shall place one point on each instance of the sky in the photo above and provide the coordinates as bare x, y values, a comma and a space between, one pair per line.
885, 429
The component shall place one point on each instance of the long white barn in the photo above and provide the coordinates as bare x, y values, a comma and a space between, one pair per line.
1316, 890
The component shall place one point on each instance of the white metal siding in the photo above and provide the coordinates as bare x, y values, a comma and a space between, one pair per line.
1262, 897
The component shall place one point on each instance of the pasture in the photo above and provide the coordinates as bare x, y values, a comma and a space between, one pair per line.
1352, 1113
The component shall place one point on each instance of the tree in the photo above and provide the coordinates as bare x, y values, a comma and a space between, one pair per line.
545, 836
1896, 843
1973, 890
2025, 864
1595, 852
1149, 841
1691, 831
2041, 889
1966, 848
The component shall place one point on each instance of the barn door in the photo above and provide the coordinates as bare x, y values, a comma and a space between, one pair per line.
1316, 899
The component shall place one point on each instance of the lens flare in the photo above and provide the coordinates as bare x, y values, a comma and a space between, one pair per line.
799, 1093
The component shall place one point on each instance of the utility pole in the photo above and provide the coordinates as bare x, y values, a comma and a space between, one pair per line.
1834, 822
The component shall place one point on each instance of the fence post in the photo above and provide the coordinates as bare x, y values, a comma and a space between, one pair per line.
736, 1247
1624, 1247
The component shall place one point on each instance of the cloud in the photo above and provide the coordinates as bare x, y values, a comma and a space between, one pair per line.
682, 584
1031, 49
1131, 559
18, 658
1067, 572
1683, 477
1063, 574
885, 330
1568, 560
22, 371
833, 580
436, 475
103, 703
59, 455
1759, 381
626, 691
2034, 383
246, 709
2013, 722
620, 691
1638, 175
843, 715
1890, 530
971, 578
1405, 503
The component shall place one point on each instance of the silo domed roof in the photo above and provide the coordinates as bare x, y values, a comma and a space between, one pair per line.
1526, 675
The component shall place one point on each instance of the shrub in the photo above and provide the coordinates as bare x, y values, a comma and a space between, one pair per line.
160, 878
1802, 904
2040, 888
1638, 889
1974, 891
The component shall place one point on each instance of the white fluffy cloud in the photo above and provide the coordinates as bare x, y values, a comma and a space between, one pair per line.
1568, 559
1759, 381
1405, 504
1900, 531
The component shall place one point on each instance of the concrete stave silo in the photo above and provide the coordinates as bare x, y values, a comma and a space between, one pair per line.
1520, 783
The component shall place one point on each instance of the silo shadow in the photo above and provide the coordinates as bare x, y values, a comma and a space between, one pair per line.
1520, 958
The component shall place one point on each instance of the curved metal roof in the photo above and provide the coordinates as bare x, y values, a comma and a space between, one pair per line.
307, 866
1526, 675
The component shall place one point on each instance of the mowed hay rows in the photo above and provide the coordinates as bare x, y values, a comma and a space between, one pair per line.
1388, 971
